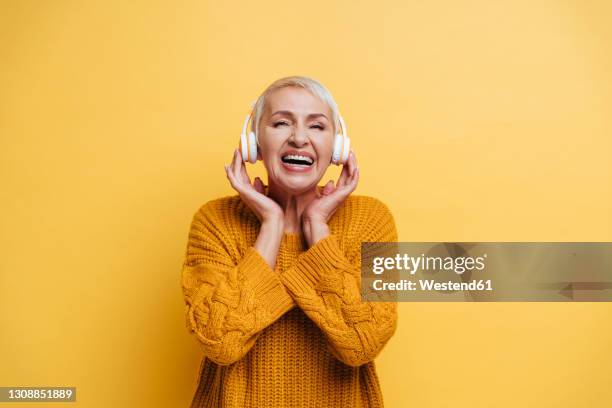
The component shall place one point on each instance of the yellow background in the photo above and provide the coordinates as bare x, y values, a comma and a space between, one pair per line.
473, 120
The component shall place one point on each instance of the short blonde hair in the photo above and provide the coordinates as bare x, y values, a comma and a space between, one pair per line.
310, 84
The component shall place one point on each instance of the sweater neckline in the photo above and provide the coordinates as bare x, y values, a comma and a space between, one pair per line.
293, 241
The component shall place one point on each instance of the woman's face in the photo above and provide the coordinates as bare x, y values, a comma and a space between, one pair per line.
295, 139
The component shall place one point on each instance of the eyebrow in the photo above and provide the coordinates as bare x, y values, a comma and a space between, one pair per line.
286, 112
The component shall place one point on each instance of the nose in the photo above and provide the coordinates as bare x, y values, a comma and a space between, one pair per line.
299, 136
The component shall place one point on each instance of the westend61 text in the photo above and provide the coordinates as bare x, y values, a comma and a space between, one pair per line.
429, 284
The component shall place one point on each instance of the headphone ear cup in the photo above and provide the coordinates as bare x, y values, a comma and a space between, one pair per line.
244, 153
253, 147
337, 152
346, 150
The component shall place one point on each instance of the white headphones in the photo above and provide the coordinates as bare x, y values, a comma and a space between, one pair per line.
249, 143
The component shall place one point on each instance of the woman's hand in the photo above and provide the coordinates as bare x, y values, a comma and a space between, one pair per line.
330, 198
267, 210
270, 214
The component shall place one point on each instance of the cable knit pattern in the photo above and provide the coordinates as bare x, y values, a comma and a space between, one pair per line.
295, 336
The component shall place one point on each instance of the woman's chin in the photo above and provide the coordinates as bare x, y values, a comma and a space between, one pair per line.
295, 182
296, 187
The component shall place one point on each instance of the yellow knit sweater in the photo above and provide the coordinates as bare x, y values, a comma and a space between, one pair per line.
294, 336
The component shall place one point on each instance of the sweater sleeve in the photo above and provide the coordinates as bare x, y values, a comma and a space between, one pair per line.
325, 284
229, 298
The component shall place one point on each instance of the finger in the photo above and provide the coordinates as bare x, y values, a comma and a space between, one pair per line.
352, 163
329, 187
243, 172
232, 166
343, 176
230, 176
233, 158
239, 168
258, 184
354, 179
321, 190
351, 183
236, 163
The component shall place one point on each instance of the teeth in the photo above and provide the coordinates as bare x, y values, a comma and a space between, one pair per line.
298, 157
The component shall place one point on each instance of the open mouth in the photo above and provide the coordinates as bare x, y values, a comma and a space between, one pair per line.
297, 160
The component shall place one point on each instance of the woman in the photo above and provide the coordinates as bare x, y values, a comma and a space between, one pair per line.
271, 276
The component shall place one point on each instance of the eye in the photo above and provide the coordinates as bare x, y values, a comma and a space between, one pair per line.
280, 123
318, 126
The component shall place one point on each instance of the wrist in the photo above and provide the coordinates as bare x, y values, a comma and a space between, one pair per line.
313, 220
268, 241
273, 226
315, 230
